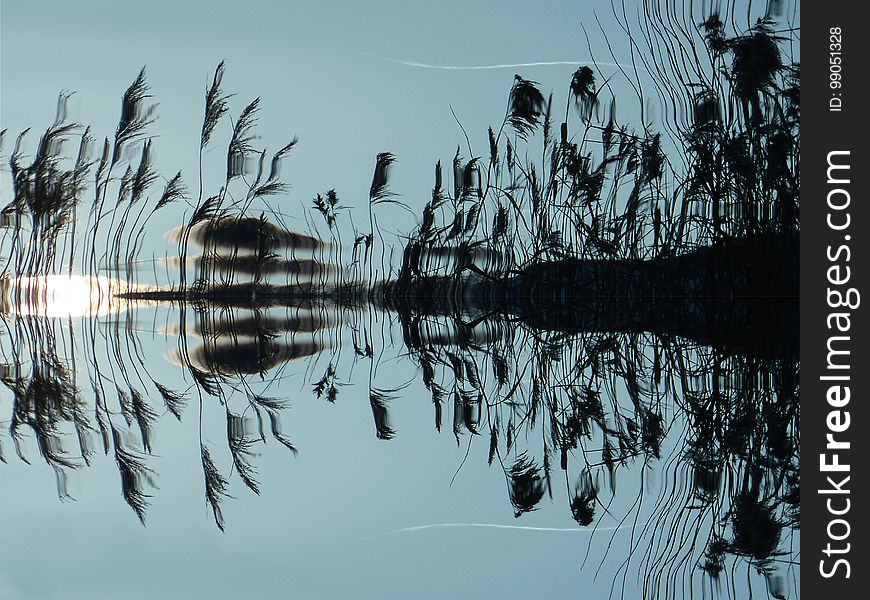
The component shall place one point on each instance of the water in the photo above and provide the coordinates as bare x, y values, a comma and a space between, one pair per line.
368, 489
361, 386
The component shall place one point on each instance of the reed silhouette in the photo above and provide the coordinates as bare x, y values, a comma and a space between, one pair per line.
588, 300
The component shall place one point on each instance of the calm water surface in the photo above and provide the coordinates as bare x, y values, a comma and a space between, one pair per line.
364, 446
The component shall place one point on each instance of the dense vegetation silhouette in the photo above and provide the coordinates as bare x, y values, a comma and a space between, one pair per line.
591, 301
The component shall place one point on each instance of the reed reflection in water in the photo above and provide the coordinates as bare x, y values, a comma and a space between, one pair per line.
595, 415
583, 324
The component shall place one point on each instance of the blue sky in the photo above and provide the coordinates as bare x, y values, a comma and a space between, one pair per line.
330, 73
324, 72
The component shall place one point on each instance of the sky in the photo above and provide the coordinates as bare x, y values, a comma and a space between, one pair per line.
349, 79
329, 73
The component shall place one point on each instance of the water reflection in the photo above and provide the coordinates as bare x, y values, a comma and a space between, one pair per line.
62, 295
237, 341
585, 413
618, 331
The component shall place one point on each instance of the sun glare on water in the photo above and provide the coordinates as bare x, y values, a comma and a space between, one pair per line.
62, 296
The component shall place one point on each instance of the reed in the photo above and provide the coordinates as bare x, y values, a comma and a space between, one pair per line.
562, 299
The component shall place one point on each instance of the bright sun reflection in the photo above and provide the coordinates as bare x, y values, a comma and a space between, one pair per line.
62, 295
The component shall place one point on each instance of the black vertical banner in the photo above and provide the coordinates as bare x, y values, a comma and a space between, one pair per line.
835, 422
